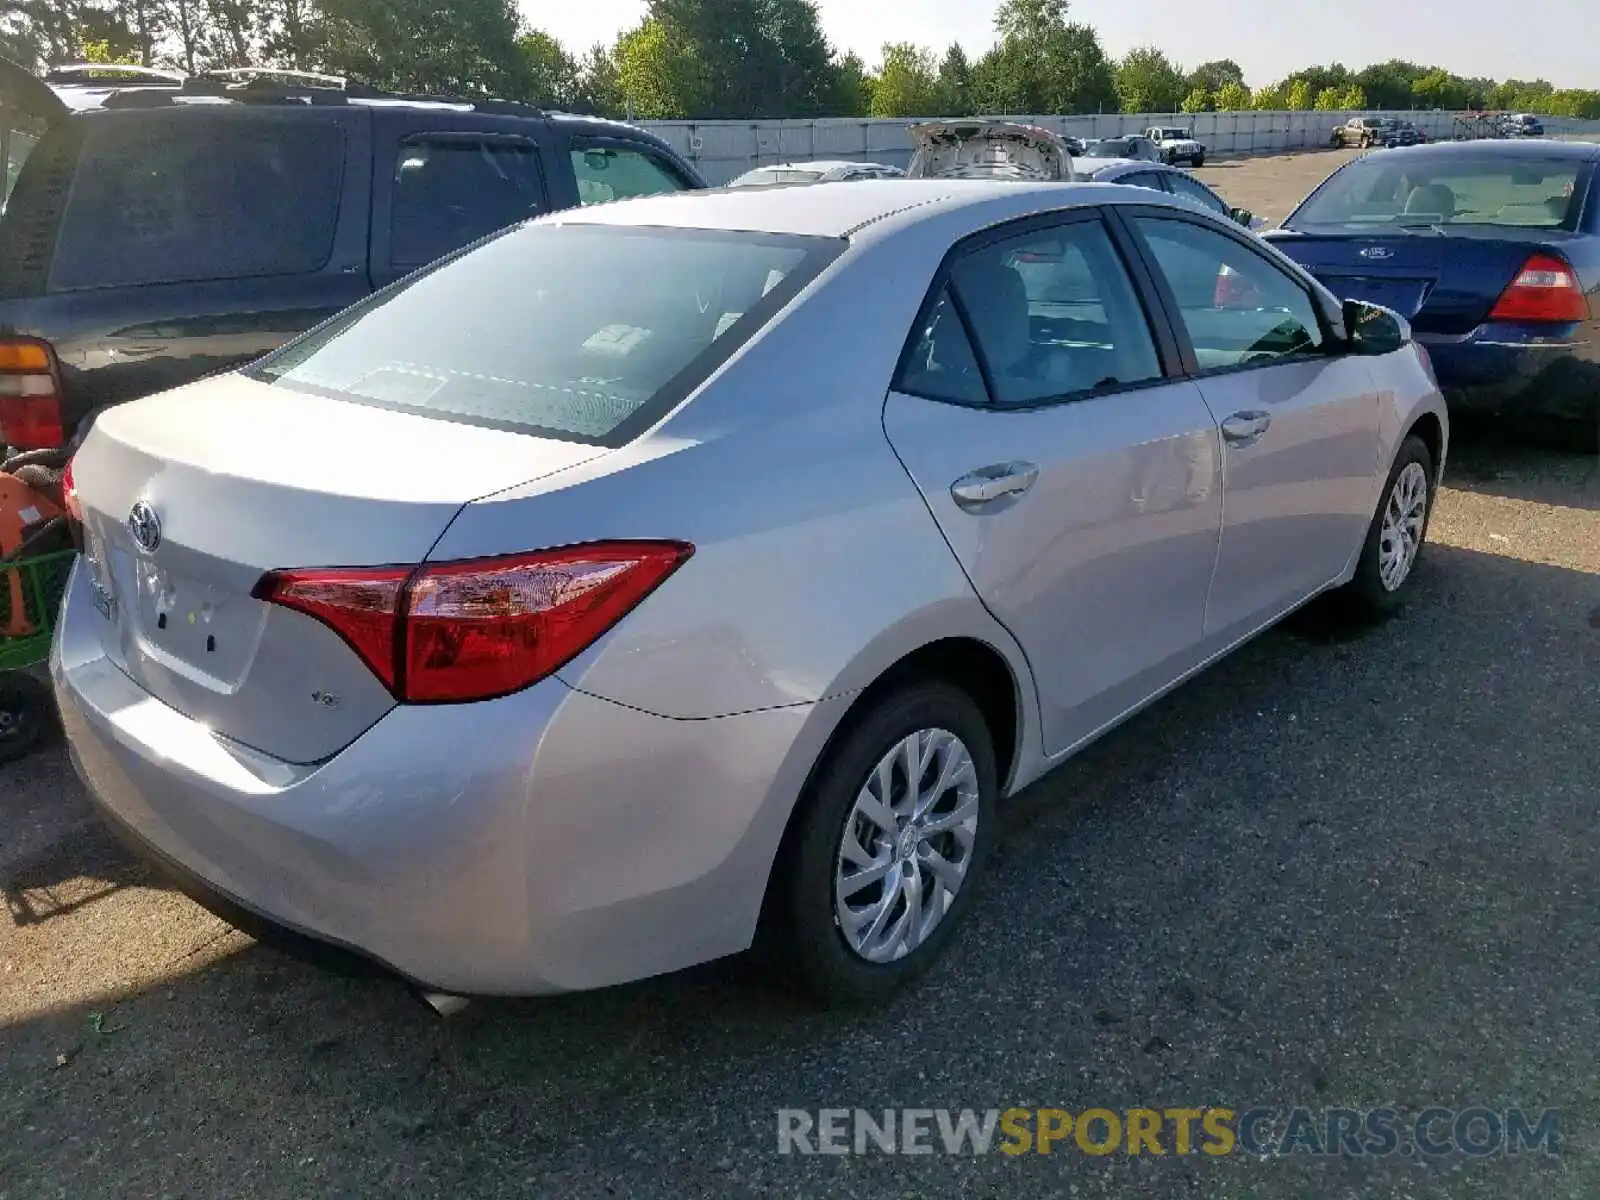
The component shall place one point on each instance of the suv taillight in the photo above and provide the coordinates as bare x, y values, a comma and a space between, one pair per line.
1545, 290
30, 395
450, 633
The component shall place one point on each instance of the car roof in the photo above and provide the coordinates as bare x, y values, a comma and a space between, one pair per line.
841, 212
1580, 151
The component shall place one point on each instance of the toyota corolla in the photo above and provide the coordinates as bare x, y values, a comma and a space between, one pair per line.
685, 574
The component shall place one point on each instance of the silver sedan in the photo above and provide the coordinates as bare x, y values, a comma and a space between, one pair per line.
685, 574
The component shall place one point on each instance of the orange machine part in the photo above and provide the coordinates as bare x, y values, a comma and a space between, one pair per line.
22, 509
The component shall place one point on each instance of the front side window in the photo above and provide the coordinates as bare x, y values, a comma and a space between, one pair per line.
449, 192
199, 197
565, 330
606, 173
1237, 307
1458, 189
1050, 315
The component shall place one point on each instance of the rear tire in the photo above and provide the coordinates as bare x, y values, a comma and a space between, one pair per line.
832, 841
1396, 538
26, 715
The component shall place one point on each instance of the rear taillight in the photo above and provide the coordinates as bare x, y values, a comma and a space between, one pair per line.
69, 494
30, 395
448, 633
1547, 290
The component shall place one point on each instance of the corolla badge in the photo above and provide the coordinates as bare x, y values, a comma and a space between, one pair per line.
1377, 252
145, 527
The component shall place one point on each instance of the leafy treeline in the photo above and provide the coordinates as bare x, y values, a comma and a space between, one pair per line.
712, 59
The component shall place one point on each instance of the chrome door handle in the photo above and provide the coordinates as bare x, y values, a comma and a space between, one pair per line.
1246, 427
991, 484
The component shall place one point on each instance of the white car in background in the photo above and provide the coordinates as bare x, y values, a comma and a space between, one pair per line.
1177, 145
779, 174
989, 150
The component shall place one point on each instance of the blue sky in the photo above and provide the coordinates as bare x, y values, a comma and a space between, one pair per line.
1530, 39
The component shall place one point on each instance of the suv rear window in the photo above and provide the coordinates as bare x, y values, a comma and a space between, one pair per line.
505, 336
188, 200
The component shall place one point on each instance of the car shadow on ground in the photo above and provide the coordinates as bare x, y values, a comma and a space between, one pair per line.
1291, 878
1538, 466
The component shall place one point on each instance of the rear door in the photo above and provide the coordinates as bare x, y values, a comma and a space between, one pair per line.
445, 182
1073, 473
153, 247
1299, 418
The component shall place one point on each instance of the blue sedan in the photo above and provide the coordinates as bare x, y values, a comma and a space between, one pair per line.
1490, 249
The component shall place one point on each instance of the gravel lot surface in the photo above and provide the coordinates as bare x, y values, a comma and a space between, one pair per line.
1335, 871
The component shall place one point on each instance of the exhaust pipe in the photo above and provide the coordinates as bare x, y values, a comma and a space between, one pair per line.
445, 1004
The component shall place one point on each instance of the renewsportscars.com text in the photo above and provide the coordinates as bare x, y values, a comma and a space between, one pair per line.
1259, 1131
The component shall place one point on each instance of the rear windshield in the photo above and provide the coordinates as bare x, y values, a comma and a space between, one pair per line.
179, 198
588, 333
1515, 192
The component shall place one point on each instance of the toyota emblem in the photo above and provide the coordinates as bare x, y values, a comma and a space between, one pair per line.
145, 527
1377, 252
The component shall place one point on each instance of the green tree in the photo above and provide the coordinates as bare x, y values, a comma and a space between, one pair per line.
1439, 89
1214, 76
1043, 64
599, 86
657, 73
101, 53
850, 90
1148, 82
1352, 98
1299, 96
1328, 100
552, 72
1198, 100
1233, 97
409, 45
1388, 84
956, 83
1272, 98
751, 58
907, 84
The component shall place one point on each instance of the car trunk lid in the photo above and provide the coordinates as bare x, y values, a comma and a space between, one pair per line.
190, 497
948, 149
1444, 283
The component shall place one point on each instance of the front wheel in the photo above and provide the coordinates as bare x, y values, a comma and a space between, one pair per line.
1198, 161
1397, 534
885, 854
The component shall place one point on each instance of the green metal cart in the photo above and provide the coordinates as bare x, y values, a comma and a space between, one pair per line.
27, 709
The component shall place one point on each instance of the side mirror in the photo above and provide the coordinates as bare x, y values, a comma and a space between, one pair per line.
1244, 217
1373, 329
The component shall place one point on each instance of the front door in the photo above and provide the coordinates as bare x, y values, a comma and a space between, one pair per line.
1075, 477
1299, 419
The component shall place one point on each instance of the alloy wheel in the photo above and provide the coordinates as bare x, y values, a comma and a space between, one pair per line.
908, 843
1400, 536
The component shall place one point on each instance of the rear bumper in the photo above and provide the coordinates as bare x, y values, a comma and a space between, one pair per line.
546, 842
1504, 370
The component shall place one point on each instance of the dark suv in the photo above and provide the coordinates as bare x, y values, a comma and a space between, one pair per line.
156, 230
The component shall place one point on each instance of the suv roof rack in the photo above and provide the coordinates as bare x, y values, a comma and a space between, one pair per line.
276, 75
117, 74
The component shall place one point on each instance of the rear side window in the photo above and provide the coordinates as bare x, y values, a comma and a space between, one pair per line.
606, 173
18, 137
176, 201
582, 332
449, 192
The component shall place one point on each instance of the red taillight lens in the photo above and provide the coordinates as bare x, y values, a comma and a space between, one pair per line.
69, 494
30, 395
361, 606
1233, 290
1546, 289
449, 633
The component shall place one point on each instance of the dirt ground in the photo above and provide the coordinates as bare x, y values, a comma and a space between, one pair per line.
1333, 872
